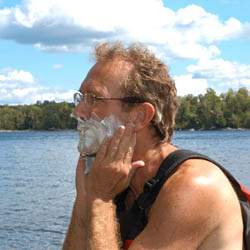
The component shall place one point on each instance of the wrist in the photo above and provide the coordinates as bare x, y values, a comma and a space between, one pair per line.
97, 197
80, 208
99, 200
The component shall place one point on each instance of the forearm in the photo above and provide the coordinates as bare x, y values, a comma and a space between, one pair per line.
77, 233
103, 231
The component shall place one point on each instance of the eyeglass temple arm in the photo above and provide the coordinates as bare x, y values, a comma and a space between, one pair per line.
129, 99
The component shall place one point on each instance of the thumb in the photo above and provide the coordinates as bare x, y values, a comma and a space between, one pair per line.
137, 164
81, 164
80, 178
134, 166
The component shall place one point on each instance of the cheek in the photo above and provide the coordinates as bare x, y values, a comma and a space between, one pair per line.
124, 117
105, 109
100, 110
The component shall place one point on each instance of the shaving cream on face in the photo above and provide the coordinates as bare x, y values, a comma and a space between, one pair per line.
92, 132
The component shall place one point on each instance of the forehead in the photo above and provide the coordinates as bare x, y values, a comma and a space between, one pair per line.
105, 78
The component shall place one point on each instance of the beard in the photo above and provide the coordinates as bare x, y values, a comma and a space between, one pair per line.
92, 132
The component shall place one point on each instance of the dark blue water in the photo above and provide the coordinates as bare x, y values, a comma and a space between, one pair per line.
37, 180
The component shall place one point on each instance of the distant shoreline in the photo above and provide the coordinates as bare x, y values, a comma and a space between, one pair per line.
214, 129
58, 130
34, 130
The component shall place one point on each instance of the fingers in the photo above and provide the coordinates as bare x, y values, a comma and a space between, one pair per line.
115, 142
130, 151
127, 144
112, 169
103, 150
119, 148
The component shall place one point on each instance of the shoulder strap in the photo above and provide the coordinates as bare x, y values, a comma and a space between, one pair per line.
152, 187
168, 167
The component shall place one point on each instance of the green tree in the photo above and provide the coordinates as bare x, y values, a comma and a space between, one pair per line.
231, 109
33, 117
50, 118
210, 110
187, 113
8, 118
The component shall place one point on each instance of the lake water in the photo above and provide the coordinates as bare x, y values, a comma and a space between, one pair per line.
37, 180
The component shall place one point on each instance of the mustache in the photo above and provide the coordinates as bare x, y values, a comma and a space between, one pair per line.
93, 117
78, 118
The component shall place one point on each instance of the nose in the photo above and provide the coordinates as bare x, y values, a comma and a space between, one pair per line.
82, 111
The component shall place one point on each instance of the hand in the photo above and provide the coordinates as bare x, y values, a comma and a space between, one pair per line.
112, 169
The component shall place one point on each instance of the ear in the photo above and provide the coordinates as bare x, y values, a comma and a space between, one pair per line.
143, 116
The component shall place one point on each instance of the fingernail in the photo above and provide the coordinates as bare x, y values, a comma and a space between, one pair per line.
122, 127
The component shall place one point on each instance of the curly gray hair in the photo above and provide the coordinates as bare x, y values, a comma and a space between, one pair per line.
148, 80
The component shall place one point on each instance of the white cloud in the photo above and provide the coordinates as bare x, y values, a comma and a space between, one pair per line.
57, 66
222, 73
186, 84
15, 75
198, 25
246, 31
20, 87
73, 26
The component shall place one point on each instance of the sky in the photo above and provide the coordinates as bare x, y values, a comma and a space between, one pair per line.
45, 45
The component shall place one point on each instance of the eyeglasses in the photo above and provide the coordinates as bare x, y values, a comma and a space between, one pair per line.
90, 99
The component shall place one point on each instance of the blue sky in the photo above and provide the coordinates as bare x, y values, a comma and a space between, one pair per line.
45, 45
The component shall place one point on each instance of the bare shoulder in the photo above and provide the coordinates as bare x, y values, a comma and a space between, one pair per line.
197, 208
198, 181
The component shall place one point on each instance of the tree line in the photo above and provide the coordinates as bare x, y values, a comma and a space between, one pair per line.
208, 111
40, 116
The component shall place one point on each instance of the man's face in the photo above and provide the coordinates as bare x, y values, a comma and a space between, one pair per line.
103, 80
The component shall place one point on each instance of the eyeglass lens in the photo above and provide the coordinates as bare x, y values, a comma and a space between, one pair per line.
77, 98
88, 99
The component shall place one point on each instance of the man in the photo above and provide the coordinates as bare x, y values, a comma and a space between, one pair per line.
197, 208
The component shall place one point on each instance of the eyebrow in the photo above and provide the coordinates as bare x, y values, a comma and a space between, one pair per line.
94, 92
89, 90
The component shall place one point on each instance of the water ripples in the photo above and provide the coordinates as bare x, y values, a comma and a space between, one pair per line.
37, 172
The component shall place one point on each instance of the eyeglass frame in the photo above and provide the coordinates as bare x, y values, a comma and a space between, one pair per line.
126, 99
84, 97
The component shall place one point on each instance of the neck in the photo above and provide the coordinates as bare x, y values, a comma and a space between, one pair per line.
152, 156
